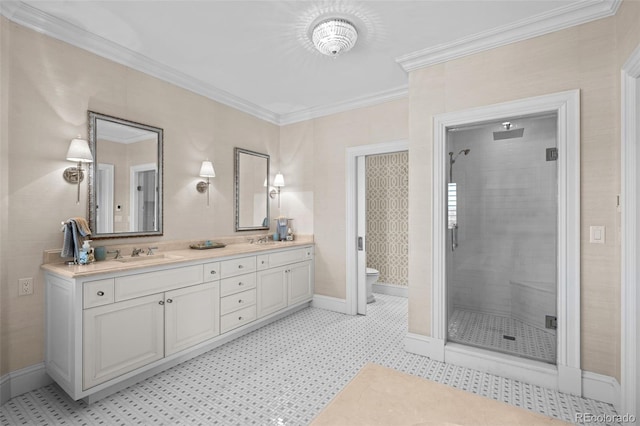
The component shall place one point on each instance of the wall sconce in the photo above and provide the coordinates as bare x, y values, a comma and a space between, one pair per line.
206, 170
278, 182
79, 152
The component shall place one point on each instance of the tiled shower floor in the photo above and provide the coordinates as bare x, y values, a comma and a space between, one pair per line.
282, 374
488, 331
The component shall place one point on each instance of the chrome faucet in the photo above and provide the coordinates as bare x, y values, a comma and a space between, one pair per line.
150, 251
263, 239
136, 252
116, 251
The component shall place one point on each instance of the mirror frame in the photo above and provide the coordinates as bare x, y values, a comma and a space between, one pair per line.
92, 196
236, 183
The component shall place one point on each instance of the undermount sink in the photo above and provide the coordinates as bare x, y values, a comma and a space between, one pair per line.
143, 258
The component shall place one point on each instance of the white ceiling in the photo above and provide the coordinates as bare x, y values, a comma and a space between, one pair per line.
256, 56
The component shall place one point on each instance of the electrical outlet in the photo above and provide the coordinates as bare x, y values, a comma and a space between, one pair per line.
25, 286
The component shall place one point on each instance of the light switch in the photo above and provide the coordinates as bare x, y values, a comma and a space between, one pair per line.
596, 234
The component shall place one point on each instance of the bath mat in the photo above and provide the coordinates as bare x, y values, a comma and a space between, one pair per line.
381, 396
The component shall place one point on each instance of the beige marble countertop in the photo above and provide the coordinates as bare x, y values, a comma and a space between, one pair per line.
168, 257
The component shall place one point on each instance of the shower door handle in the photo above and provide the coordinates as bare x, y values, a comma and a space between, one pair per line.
454, 237
360, 243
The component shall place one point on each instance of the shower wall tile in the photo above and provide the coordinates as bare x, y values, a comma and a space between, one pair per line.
387, 182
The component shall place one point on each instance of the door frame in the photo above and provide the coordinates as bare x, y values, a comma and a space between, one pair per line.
567, 374
353, 153
630, 156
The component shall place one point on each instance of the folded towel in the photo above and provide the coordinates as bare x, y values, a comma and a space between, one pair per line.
83, 226
75, 229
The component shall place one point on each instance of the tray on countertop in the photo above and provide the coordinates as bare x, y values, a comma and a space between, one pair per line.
206, 245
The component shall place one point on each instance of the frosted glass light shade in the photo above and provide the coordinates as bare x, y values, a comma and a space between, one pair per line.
279, 180
79, 151
334, 36
206, 170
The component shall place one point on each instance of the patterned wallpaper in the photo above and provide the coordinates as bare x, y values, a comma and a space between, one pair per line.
387, 178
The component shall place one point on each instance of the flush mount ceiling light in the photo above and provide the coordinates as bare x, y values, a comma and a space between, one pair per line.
334, 36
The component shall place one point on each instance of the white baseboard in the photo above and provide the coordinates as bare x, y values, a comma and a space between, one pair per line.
23, 380
329, 303
425, 346
594, 386
391, 289
602, 388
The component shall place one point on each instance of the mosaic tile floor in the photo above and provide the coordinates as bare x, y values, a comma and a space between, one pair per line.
282, 374
488, 331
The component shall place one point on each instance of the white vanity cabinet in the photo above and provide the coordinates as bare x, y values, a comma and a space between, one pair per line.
110, 329
284, 279
120, 337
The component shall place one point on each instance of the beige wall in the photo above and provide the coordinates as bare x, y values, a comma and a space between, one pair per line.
51, 85
321, 145
48, 86
585, 58
4, 191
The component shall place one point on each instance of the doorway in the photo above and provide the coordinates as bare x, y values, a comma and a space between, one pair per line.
144, 197
356, 298
501, 260
566, 374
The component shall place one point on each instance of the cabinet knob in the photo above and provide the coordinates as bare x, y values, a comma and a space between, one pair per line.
169, 300
262, 262
212, 272
240, 266
240, 283
240, 301
161, 302
100, 293
239, 318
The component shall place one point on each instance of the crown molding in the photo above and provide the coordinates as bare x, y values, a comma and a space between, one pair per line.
30, 17
574, 14
359, 102
544, 23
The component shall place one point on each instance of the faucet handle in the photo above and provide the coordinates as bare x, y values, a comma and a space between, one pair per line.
150, 251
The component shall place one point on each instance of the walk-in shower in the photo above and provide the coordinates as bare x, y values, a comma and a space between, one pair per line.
502, 240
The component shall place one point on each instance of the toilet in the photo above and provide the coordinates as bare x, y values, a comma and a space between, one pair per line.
372, 277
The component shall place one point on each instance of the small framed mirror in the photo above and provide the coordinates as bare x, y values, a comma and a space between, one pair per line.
251, 190
125, 178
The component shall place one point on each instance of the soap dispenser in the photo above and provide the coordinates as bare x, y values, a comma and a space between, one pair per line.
85, 253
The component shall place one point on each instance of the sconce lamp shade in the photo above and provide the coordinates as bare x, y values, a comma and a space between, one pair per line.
206, 170
79, 151
279, 180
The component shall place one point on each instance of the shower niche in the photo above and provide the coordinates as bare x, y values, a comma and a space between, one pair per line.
502, 236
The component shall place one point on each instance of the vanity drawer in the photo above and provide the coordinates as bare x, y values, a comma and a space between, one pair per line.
243, 265
288, 257
237, 318
237, 284
237, 301
97, 293
211, 271
137, 285
263, 261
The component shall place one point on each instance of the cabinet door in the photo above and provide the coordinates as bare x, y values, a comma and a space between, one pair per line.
300, 278
121, 337
192, 316
272, 290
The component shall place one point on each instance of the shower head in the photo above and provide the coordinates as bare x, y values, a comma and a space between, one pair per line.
508, 132
452, 159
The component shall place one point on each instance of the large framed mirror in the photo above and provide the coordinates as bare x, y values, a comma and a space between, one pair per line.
125, 178
251, 190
